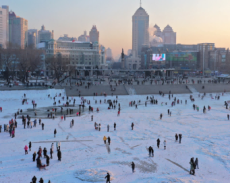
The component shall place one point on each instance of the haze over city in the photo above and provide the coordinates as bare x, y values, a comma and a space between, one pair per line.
115, 91
194, 21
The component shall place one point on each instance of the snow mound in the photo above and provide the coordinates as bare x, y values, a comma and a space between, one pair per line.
93, 175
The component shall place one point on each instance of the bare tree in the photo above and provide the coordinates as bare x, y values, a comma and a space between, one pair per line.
29, 60
58, 65
8, 60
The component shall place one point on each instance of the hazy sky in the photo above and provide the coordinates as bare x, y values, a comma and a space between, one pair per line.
195, 21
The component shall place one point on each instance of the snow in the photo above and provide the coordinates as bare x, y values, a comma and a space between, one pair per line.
85, 157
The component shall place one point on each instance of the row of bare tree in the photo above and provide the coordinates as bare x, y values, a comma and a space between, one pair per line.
14, 60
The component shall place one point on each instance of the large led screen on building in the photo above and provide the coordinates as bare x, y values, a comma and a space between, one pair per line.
159, 57
182, 56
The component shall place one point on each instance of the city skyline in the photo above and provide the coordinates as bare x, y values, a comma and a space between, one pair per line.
194, 21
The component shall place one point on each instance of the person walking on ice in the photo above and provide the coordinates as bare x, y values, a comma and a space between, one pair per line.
151, 151
158, 143
133, 167
104, 138
192, 166
176, 137
107, 177
26, 149
161, 116
34, 156
55, 132
132, 125
180, 137
196, 163
109, 140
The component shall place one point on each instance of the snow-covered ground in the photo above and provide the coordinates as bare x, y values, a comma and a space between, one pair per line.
85, 158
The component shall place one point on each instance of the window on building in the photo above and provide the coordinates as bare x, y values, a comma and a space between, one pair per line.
0, 12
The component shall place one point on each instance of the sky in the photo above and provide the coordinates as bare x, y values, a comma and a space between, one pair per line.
194, 21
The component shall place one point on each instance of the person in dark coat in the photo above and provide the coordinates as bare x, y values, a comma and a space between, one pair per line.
150, 150
180, 137
47, 160
43, 126
107, 177
196, 163
34, 179
176, 137
30, 146
192, 166
109, 140
158, 142
51, 152
34, 156
59, 155
228, 116
115, 126
55, 132
44, 152
133, 166
161, 116
132, 125
41, 180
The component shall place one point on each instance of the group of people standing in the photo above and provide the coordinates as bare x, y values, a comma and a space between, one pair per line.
193, 165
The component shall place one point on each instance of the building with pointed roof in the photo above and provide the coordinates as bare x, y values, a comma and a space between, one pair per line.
168, 35
140, 34
94, 34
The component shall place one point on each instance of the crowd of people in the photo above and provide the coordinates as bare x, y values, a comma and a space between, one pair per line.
36, 156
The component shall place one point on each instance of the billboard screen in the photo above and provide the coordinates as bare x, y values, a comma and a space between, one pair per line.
159, 57
182, 56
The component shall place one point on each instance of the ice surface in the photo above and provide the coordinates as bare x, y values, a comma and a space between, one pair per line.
85, 156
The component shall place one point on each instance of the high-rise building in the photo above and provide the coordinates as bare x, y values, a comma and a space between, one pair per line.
18, 30
45, 35
94, 35
109, 53
140, 32
4, 26
204, 49
168, 36
84, 37
32, 37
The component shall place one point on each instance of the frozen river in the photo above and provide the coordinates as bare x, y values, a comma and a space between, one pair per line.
85, 157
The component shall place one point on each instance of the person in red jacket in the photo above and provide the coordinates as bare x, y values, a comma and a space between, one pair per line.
26, 149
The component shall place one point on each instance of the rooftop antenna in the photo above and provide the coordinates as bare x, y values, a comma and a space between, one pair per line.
140, 3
